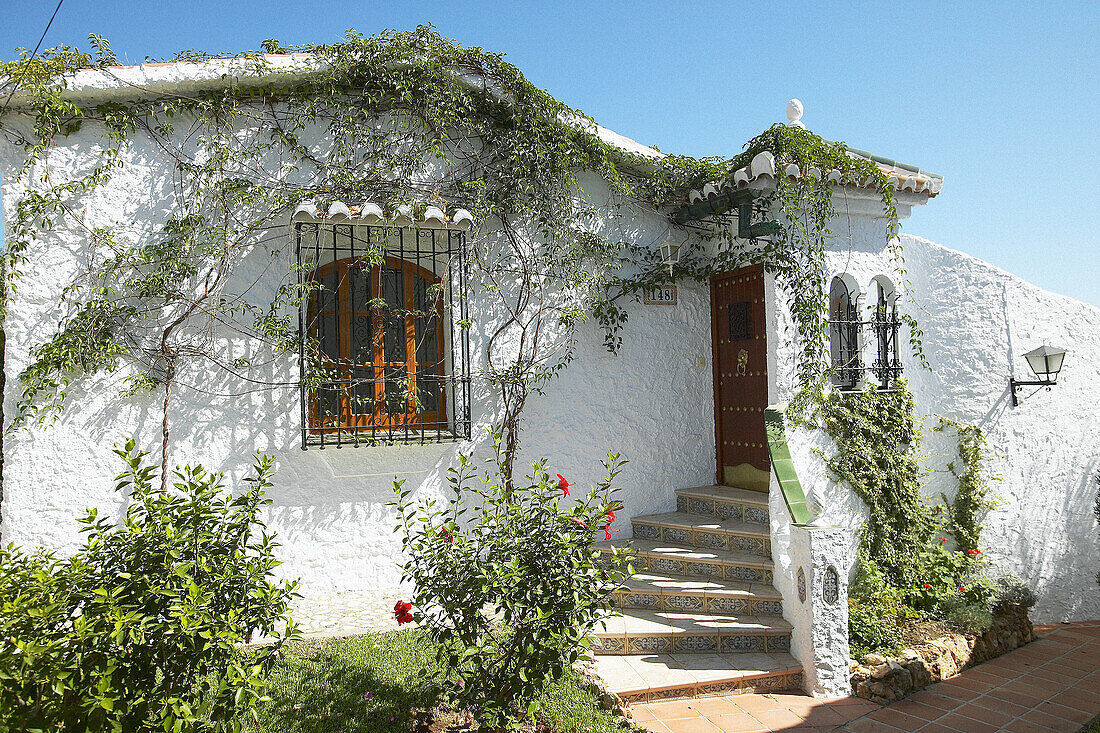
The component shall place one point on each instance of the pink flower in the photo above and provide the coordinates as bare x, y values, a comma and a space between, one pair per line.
577, 521
368, 695
563, 485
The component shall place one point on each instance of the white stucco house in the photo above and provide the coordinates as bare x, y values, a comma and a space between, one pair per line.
683, 400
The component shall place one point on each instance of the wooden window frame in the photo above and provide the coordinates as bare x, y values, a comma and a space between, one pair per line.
349, 415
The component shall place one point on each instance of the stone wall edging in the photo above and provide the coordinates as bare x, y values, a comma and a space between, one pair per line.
886, 679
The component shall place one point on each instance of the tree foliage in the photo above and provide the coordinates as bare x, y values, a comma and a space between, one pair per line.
139, 630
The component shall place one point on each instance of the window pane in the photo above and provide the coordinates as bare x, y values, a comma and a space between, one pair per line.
326, 295
360, 290
392, 287
428, 387
327, 335
392, 291
396, 389
328, 404
362, 391
362, 350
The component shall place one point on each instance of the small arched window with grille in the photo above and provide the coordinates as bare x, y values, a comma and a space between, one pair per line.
886, 325
845, 334
381, 358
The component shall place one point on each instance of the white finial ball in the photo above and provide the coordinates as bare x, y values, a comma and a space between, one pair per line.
794, 113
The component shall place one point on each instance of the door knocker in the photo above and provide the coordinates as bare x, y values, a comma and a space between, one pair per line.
742, 362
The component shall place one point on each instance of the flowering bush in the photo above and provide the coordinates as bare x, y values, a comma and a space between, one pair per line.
950, 580
139, 630
509, 581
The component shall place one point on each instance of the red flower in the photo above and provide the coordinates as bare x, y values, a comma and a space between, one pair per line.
925, 585
962, 589
563, 485
607, 531
974, 552
577, 521
610, 516
402, 612
445, 534
942, 540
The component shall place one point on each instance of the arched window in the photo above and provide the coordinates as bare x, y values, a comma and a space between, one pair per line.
378, 330
845, 333
886, 325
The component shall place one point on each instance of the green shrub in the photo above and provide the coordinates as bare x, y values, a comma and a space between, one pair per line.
138, 631
968, 618
508, 581
1011, 591
871, 631
947, 579
873, 589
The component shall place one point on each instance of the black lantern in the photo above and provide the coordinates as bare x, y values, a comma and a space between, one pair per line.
1045, 362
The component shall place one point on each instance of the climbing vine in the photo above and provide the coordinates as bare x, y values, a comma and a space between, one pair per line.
878, 439
795, 256
406, 118
973, 498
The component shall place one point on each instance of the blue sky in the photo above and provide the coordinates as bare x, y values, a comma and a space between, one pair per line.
1000, 98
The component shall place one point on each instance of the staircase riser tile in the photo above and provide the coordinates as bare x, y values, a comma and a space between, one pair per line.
708, 643
708, 539
776, 682
609, 645
650, 601
723, 509
649, 644
683, 602
699, 644
721, 605
723, 571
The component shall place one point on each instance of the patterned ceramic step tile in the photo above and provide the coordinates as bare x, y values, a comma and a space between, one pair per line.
725, 502
662, 557
681, 528
651, 677
666, 592
638, 631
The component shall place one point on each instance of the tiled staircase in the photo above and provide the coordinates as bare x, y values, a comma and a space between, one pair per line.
701, 616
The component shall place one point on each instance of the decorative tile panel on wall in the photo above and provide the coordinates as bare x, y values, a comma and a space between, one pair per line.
830, 587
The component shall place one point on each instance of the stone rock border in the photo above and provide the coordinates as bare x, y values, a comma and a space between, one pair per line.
609, 701
886, 679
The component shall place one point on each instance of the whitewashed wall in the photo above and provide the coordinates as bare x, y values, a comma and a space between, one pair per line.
978, 320
652, 402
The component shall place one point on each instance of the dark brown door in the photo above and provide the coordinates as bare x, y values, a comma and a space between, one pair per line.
740, 377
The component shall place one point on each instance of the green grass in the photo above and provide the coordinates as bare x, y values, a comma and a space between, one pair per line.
323, 686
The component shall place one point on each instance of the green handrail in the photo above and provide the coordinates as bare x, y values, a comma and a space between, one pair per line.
783, 466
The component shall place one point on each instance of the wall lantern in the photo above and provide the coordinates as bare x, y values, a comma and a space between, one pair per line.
670, 254
1045, 362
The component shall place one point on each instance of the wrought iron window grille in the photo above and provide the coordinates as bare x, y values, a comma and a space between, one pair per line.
846, 328
886, 326
384, 354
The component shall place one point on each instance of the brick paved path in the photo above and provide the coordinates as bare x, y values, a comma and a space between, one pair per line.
1050, 685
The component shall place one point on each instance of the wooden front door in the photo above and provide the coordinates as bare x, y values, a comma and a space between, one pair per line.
740, 377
